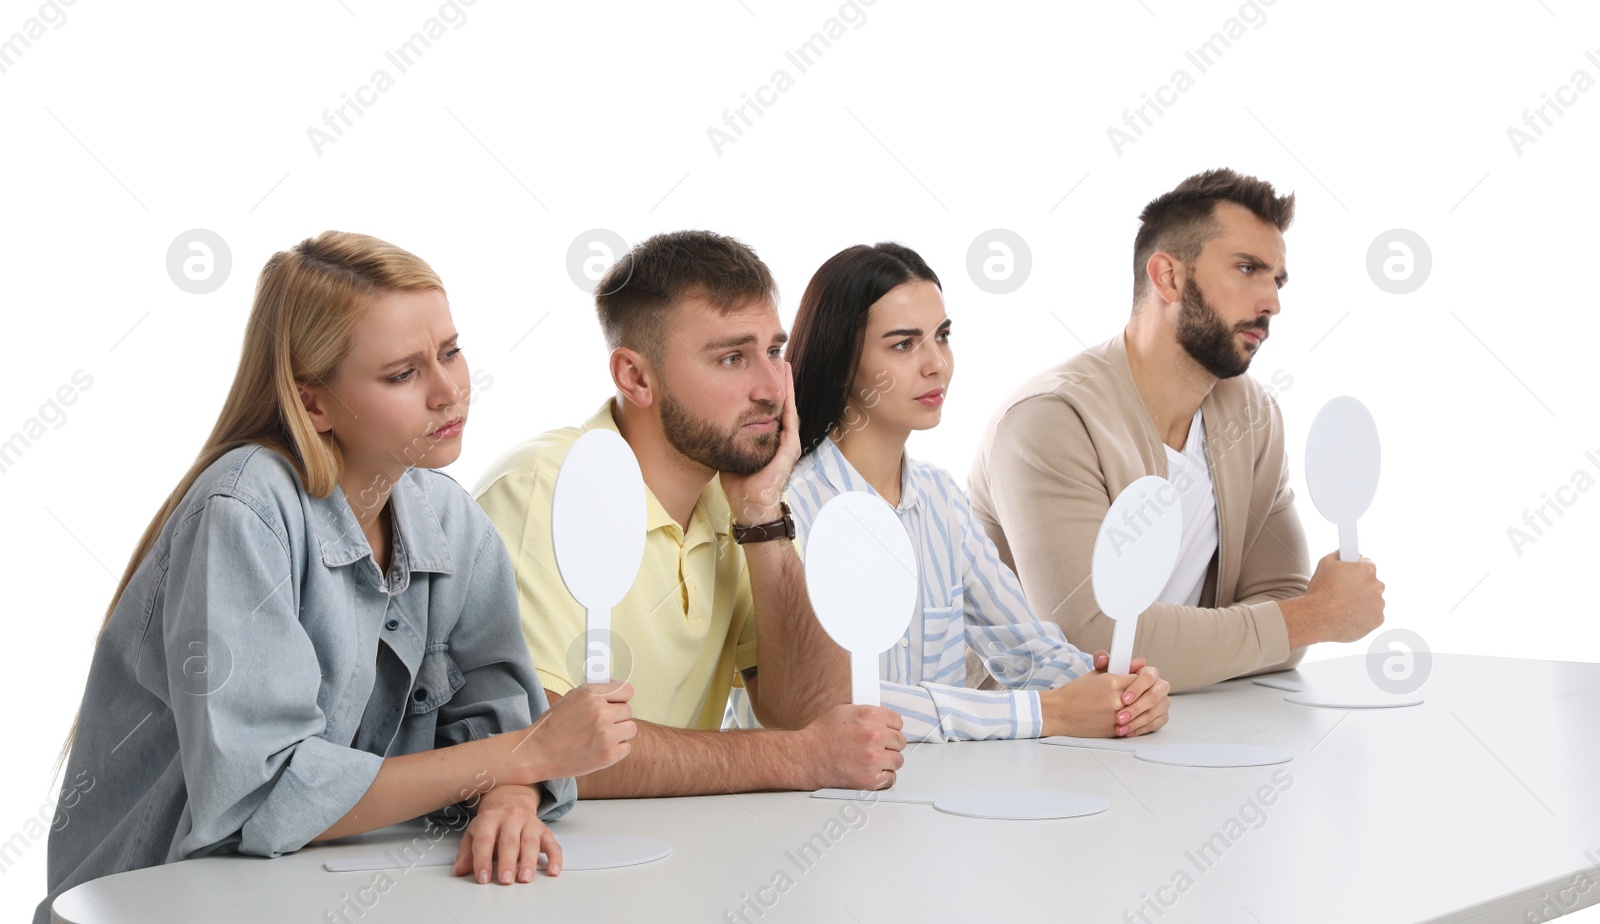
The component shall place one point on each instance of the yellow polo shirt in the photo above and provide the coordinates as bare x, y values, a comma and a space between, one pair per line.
685, 628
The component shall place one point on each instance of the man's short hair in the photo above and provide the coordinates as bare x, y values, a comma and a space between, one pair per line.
1181, 221
640, 290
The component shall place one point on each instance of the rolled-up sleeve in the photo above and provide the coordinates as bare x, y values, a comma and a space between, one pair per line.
501, 692
243, 678
945, 712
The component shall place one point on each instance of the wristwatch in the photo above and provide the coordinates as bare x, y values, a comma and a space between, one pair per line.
782, 528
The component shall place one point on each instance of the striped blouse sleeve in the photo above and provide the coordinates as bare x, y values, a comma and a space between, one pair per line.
1021, 651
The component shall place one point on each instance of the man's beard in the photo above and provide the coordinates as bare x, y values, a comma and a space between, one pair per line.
1210, 342
701, 441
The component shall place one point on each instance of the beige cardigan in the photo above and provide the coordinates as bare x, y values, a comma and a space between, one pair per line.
1070, 439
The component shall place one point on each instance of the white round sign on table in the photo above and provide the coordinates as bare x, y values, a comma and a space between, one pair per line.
1134, 554
1350, 692
998, 804
1183, 754
598, 521
861, 576
1352, 698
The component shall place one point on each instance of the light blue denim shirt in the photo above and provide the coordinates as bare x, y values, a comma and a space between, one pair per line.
259, 667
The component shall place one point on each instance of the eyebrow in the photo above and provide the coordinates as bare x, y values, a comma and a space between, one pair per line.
417, 356
914, 331
1282, 278
729, 343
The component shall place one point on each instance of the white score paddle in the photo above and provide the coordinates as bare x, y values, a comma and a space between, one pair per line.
1352, 698
1134, 554
1343, 460
1000, 804
1349, 692
861, 576
597, 522
1197, 754
1342, 463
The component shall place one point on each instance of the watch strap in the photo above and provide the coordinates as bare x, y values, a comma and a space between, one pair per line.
781, 528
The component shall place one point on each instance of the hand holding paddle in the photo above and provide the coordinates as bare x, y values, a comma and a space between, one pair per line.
852, 747
588, 729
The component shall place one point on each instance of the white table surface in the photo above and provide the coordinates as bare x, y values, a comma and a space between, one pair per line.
1475, 806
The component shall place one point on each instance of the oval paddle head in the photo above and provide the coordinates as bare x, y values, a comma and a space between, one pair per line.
598, 520
861, 576
1342, 464
1134, 554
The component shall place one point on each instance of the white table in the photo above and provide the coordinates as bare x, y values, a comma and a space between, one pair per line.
1476, 806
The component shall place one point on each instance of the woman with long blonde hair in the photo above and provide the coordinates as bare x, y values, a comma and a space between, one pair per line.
318, 634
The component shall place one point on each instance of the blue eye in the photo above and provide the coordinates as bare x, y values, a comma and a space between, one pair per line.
401, 377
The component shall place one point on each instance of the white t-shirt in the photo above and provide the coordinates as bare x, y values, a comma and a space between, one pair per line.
1188, 473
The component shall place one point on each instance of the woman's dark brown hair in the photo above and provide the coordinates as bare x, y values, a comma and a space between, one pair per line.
826, 341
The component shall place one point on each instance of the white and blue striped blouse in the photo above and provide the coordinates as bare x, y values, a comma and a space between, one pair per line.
969, 598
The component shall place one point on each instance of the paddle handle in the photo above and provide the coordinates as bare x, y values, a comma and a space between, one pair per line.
597, 646
1348, 551
864, 678
1122, 645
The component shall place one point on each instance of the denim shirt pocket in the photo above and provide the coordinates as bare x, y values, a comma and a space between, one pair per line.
437, 680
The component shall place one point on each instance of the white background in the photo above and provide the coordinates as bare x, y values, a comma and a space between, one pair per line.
927, 123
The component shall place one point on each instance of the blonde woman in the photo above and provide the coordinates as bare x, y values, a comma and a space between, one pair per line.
318, 634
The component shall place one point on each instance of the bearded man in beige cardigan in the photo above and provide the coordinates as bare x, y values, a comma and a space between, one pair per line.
1169, 396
